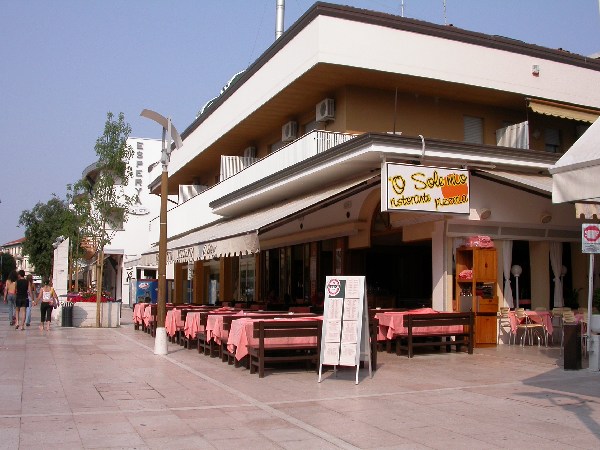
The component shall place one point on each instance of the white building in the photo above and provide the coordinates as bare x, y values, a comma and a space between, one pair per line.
294, 152
128, 243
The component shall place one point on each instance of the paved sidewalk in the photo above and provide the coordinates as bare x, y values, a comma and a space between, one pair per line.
104, 388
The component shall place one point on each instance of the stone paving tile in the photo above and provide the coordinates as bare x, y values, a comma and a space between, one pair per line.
90, 388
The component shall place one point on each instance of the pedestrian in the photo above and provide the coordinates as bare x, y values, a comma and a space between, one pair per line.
30, 299
21, 300
10, 295
48, 298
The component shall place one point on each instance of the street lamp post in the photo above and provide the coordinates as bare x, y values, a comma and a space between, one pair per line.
169, 131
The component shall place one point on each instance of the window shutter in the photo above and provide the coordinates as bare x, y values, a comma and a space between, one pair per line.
473, 129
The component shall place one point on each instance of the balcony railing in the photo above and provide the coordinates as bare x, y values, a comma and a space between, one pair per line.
297, 151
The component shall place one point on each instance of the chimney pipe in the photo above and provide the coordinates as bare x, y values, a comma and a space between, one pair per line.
280, 10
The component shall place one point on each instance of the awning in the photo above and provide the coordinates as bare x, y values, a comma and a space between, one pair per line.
575, 175
587, 211
533, 183
564, 111
239, 236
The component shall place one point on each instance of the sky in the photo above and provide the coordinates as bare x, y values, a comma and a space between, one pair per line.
65, 63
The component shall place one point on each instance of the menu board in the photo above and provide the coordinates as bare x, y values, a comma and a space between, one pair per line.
345, 336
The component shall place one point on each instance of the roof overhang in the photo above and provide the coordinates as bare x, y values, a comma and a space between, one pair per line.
240, 236
575, 174
533, 183
563, 111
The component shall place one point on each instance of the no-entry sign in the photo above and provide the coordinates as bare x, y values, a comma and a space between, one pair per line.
590, 238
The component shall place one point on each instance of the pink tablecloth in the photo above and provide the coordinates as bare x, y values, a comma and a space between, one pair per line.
241, 335
391, 324
173, 321
147, 314
541, 317
138, 312
192, 325
214, 326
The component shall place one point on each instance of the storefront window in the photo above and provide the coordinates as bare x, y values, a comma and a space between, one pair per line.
247, 266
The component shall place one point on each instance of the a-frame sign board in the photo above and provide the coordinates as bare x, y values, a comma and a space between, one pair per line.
345, 335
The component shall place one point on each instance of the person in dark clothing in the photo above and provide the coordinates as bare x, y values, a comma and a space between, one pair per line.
22, 300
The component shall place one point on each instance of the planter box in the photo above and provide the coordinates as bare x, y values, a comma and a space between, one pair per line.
84, 314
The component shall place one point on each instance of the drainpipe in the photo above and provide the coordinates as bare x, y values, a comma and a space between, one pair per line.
280, 10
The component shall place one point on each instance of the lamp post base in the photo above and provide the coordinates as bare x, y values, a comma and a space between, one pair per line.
160, 341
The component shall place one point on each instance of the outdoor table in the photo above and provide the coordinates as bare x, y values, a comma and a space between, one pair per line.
391, 324
542, 317
173, 321
242, 334
138, 312
192, 324
147, 316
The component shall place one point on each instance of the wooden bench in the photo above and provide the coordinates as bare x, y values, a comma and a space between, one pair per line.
440, 338
263, 352
228, 356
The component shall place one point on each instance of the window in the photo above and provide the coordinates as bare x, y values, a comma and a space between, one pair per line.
552, 140
247, 278
473, 129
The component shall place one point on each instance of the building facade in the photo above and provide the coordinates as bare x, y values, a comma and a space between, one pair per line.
293, 160
15, 248
128, 242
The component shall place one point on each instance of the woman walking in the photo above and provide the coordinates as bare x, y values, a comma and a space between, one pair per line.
10, 295
23, 291
48, 297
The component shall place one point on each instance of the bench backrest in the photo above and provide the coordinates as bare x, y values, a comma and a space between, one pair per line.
265, 329
266, 315
438, 319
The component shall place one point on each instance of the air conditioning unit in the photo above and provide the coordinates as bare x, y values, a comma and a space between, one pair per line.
289, 131
326, 110
250, 152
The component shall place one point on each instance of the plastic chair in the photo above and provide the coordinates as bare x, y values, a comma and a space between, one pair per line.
503, 320
528, 328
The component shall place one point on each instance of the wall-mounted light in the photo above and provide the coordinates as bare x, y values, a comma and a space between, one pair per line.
545, 217
484, 213
535, 70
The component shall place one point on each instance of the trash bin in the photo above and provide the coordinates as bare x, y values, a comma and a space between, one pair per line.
572, 347
67, 314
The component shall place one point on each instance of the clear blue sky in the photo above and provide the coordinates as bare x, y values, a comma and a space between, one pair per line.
65, 63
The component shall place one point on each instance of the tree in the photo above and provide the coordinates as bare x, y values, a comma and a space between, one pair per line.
43, 224
7, 265
99, 201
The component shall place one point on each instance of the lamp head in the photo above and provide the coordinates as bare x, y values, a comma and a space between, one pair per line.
516, 270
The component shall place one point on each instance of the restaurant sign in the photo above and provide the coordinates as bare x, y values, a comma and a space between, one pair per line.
590, 238
406, 187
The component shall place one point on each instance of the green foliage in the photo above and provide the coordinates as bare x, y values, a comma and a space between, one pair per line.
99, 201
43, 224
8, 264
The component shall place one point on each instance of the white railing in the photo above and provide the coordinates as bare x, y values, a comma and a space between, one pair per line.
230, 165
301, 149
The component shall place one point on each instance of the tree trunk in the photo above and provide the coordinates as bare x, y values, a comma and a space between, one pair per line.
99, 275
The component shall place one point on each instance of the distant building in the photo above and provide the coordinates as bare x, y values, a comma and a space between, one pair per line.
132, 237
15, 248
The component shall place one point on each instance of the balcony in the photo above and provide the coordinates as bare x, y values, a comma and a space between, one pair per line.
309, 145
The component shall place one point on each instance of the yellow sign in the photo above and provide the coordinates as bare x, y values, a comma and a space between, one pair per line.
418, 188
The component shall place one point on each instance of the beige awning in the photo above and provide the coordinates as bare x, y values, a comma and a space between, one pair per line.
534, 183
239, 236
565, 111
575, 175
587, 211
